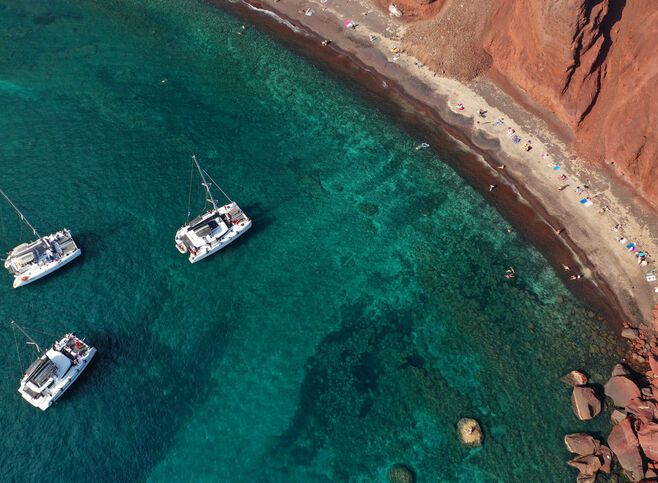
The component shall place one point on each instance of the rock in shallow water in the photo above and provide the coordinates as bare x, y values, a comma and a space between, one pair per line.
585, 403
620, 370
630, 333
588, 465
401, 473
621, 390
581, 444
469, 432
574, 378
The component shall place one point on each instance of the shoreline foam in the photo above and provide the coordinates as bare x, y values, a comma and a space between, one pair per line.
422, 102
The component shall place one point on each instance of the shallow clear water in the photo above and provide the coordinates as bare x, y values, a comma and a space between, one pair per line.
351, 328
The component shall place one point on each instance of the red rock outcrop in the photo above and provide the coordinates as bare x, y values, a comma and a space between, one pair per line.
591, 62
624, 444
595, 65
647, 434
621, 390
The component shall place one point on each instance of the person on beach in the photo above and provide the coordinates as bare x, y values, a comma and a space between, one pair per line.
325, 42
563, 187
578, 190
558, 231
492, 187
576, 277
502, 166
566, 268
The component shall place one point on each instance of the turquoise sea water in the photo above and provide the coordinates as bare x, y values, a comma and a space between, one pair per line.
350, 329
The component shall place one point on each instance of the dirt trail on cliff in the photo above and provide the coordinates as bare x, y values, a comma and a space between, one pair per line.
592, 63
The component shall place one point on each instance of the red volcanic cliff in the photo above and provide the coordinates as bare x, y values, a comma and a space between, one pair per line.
594, 63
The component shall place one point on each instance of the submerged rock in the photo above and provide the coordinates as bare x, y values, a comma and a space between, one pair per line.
574, 378
621, 390
624, 444
401, 473
585, 403
469, 432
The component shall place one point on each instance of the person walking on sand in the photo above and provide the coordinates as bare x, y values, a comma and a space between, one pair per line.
492, 187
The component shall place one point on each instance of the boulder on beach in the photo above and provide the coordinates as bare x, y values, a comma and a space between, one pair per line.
624, 444
401, 473
585, 403
647, 435
581, 443
621, 390
574, 378
469, 432
630, 333
620, 370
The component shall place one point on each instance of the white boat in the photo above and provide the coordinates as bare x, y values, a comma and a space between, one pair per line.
213, 230
34, 260
54, 371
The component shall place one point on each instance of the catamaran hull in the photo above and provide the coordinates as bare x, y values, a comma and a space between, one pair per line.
45, 402
231, 238
26, 278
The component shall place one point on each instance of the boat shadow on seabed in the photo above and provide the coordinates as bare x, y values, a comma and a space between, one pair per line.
261, 219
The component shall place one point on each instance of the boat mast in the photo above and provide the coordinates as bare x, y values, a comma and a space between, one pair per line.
30, 339
218, 187
21, 214
205, 184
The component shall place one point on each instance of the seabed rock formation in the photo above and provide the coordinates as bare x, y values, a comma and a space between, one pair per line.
470, 433
401, 473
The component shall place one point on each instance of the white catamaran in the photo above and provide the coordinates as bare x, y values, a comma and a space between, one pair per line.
213, 230
31, 261
54, 371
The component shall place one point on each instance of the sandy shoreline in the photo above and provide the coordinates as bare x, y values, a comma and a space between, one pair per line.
614, 285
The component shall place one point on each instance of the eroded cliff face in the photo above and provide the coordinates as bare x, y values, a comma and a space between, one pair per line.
594, 63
